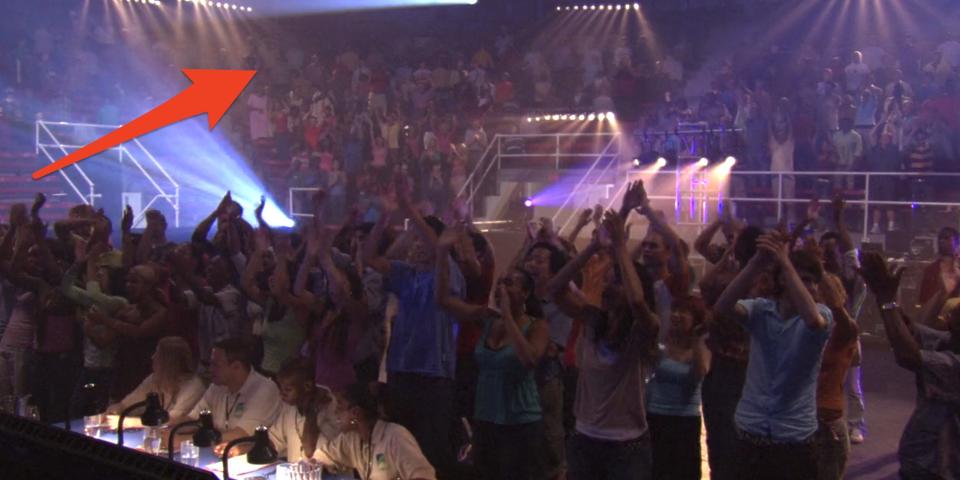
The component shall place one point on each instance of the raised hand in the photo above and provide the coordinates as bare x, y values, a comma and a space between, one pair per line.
225, 204
532, 228
772, 247
126, 221
38, 201
546, 228
597, 214
614, 228
259, 210
584, 218
883, 281
450, 236
635, 197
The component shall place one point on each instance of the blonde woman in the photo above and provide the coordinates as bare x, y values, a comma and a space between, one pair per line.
174, 377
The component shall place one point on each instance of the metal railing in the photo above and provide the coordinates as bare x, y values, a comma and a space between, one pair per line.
611, 160
862, 198
48, 142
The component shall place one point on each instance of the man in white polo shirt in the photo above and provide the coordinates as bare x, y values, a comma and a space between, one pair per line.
239, 398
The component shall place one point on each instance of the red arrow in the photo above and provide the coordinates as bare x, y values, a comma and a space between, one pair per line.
212, 92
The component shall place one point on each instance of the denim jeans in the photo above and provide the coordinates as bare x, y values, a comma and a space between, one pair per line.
721, 393
833, 447
593, 459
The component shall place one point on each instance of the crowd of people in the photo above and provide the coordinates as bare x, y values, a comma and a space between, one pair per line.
596, 361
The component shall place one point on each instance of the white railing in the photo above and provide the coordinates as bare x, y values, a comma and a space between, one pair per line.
166, 187
611, 160
779, 201
290, 205
46, 143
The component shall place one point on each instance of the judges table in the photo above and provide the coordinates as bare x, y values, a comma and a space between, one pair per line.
133, 436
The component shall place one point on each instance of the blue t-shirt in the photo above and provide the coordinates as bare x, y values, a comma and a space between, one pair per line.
779, 397
423, 337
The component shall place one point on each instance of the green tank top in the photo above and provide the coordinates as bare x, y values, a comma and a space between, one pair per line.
506, 390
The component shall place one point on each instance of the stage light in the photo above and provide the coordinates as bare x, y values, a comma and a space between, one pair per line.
661, 162
618, 7
528, 203
582, 117
529, 119
558, 8
636, 6
602, 116
703, 162
556, 117
636, 162
729, 162
610, 116
563, 117
591, 117
537, 119
593, 7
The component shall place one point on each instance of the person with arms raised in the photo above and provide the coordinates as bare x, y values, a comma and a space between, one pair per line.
776, 417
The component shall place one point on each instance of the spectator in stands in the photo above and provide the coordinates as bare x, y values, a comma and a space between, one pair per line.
257, 106
884, 156
856, 73
849, 147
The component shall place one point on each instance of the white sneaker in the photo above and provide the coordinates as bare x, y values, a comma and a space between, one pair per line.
856, 437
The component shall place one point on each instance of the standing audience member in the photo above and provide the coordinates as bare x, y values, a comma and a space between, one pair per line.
508, 421
421, 358
673, 399
776, 418
928, 446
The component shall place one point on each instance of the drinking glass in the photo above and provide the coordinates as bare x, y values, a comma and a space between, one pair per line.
298, 471
151, 440
189, 453
92, 425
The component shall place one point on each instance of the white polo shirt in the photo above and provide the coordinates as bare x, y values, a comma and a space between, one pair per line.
287, 431
256, 403
391, 453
